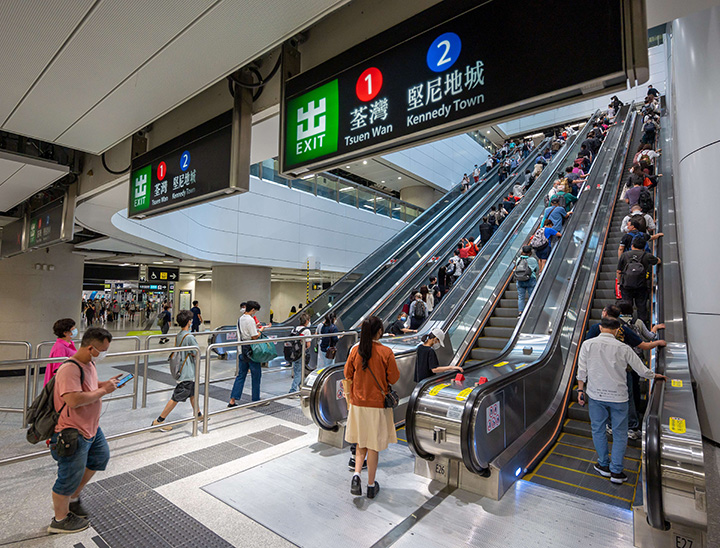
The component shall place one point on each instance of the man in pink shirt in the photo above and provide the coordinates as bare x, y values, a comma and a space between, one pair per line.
78, 444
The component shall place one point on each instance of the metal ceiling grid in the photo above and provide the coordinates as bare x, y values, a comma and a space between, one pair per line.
92, 96
31, 33
114, 40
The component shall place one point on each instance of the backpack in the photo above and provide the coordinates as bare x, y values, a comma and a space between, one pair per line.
420, 310
539, 241
176, 366
161, 320
523, 272
645, 201
292, 350
648, 127
634, 274
42, 416
450, 268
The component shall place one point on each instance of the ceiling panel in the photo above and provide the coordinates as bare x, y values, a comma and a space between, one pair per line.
20, 178
31, 33
131, 62
112, 43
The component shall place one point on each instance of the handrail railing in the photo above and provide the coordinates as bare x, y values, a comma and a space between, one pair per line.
35, 362
207, 413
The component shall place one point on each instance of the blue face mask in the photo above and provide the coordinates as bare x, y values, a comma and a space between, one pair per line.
74, 332
403, 319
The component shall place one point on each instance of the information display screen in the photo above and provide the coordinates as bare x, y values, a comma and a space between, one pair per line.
192, 167
12, 238
421, 79
46, 224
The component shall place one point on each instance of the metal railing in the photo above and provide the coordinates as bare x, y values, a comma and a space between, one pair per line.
27, 345
206, 412
45, 344
36, 362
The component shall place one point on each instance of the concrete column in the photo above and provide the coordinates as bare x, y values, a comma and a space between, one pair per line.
232, 285
31, 299
695, 69
420, 195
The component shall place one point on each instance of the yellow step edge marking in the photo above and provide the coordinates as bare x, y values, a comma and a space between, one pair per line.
588, 474
591, 450
500, 364
400, 439
589, 460
539, 465
585, 488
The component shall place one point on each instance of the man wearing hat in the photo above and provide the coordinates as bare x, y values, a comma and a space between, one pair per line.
426, 364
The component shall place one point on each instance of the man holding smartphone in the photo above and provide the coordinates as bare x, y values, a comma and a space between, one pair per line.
78, 444
601, 365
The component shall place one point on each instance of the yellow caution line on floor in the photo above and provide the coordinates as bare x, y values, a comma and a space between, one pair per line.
586, 473
591, 450
585, 460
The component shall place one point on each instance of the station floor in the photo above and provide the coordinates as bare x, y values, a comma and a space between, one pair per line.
260, 478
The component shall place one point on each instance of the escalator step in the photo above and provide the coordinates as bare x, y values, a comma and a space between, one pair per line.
579, 428
491, 342
606, 284
500, 332
596, 314
510, 294
604, 293
506, 312
577, 412
483, 353
602, 303
607, 275
503, 322
509, 303
512, 286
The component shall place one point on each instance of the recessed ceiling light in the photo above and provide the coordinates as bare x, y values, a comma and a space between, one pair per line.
364, 162
382, 181
347, 167
399, 178
488, 132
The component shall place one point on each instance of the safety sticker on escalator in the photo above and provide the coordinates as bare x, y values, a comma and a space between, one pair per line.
676, 383
677, 425
500, 364
492, 416
339, 392
435, 389
463, 394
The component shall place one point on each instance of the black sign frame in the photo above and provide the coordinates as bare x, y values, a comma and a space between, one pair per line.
342, 74
10, 231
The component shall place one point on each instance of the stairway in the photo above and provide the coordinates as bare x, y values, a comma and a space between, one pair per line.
499, 328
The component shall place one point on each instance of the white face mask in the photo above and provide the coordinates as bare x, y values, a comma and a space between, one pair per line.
74, 332
101, 356
436, 346
242, 311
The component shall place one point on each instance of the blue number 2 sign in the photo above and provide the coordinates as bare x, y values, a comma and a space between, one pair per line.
443, 52
185, 161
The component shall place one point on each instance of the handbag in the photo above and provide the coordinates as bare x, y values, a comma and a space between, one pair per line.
391, 397
330, 353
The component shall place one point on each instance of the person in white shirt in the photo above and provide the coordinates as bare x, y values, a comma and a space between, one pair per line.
601, 366
247, 330
636, 210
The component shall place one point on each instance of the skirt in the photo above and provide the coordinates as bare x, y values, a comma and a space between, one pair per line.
370, 427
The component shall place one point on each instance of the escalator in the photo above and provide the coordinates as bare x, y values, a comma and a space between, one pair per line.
568, 466
498, 329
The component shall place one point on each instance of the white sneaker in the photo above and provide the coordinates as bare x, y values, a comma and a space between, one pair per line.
634, 434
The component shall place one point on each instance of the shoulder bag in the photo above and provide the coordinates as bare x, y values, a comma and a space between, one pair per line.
391, 397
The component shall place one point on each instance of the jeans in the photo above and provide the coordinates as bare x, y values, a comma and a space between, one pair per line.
92, 454
297, 375
255, 374
617, 413
525, 289
323, 362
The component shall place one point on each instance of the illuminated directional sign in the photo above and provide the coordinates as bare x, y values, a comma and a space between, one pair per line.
452, 67
163, 275
191, 168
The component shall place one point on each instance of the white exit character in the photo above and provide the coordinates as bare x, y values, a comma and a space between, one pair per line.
315, 118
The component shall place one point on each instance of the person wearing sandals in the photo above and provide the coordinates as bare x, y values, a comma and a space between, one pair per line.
369, 370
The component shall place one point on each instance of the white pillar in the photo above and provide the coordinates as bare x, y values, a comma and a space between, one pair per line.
232, 285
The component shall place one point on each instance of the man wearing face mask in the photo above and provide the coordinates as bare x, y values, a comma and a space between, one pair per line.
78, 398
397, 328
427, 364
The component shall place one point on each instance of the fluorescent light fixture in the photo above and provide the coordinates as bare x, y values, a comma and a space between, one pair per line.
347, 189
398, 208
157, 262
204, 280
368, 206
306, 177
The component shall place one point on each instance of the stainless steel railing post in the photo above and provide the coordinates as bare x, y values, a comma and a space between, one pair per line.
26, 393
135, 372
145, 372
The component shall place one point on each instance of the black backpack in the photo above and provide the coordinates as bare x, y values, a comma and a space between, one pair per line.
42, 416
645, 201
292, 350
420, 311
634, 274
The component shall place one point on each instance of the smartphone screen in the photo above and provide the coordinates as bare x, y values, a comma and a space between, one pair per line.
125, 379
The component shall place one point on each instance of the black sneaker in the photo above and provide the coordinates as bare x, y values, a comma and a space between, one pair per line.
604, 471
71, 524
618, 478
351, 464
355, 487
78, 509
373, 491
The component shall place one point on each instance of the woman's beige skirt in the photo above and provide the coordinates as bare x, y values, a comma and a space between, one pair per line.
370, 427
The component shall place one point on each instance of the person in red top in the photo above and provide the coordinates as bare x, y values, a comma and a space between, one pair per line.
77, 396
65, 331
369, 369
471, 249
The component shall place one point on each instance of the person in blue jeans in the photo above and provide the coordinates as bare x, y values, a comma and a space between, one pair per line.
247, 330
304, 331
601, 366
526, 287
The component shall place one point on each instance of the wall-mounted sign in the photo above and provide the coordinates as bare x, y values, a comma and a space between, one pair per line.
162, 274
442, 71
13, 238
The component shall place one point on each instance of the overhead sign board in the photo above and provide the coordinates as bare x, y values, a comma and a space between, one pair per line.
193, 167
13, 238
484, 61
162, 275
51, 224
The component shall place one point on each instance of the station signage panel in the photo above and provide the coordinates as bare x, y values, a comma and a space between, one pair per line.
45, 226
161, 275
193, 167
12, 242
421, 79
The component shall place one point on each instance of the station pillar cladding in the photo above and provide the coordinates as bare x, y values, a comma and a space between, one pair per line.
37, 289
420, 195
232, 285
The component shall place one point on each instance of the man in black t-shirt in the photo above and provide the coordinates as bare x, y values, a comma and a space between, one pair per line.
635, 284
197, 317
486, 231
397, 328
